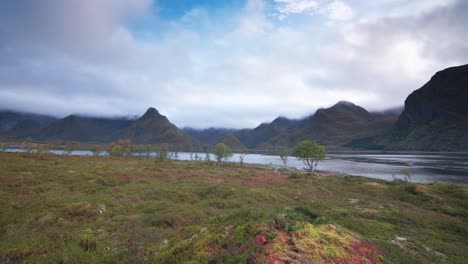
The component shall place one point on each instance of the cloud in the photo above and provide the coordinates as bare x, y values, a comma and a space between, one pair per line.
65, 57
86, 28
334, 10
338, 10
287, 7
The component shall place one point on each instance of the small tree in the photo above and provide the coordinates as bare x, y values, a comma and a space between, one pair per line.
42, 149
139, 149
120, 148
69, 148
207, 156
162, 153
148, 150
222, 153
310, 154
3, 146
95, 151
407, 173
242, 156
284, 158
28, 144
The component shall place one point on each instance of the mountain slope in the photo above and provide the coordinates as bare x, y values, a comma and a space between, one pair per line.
435, 116
83, 129
209, 136
234, 143
154, 128
342, 123
270, 135
18, 125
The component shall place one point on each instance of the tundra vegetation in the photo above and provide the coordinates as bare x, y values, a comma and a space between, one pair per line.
71, 209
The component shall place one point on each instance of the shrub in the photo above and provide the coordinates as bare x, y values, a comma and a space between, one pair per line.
222, 153
69, 148
162, 153
120, 148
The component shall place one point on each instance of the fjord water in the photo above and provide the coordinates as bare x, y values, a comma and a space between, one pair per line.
425, 167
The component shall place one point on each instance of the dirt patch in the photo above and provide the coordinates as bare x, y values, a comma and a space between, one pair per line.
376, 184
83, 211
129, 199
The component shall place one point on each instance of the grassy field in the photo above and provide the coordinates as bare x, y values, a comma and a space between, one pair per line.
59, 209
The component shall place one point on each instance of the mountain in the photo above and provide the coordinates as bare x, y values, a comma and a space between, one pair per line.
335, 127
154, 128
209, 136
233, 142
18, 125
270, 135
151, 128
83, 129
342, 123
435, 116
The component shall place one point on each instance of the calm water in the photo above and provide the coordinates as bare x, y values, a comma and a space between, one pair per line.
425, 167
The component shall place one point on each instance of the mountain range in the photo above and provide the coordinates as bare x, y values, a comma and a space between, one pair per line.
434, 117
151, 128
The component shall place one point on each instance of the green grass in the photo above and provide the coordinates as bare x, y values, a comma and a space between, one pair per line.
59, 209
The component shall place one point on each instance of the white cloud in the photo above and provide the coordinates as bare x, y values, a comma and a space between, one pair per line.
337, 10
286, 7
334, 10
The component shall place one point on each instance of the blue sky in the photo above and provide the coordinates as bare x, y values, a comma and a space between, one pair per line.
222, 63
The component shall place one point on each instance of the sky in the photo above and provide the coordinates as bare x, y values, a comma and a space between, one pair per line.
221, 63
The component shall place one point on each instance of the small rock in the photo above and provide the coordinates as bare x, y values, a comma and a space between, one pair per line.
102, 208
401, 238
164, 244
